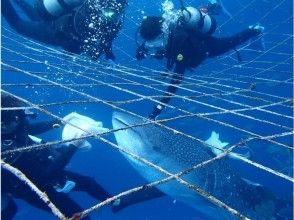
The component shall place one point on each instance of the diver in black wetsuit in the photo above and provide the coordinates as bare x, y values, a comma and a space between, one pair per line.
80, 26
44, 167
185, 44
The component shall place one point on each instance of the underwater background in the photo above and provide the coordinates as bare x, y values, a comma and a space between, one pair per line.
107, 165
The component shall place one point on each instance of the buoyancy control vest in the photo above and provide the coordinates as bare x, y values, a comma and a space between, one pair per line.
197, 20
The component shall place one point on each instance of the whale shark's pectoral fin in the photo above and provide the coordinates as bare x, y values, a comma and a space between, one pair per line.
241, 151
249, 182
236, 156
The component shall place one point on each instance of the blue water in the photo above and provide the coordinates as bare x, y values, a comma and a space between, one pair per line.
107, 165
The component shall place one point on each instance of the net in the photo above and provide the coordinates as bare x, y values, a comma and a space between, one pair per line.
250, 102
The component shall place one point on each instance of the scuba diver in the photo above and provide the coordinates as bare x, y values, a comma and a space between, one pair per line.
78, 26
185, 43
44, 167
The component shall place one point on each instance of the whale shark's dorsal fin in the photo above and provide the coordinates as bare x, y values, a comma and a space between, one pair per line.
216, 146
215, 143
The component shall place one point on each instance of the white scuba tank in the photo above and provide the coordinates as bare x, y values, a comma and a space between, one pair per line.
52, 9
196, 20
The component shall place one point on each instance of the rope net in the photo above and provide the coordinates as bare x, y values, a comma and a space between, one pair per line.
250, 103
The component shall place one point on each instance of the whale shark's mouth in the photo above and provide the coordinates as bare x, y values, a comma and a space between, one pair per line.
119, 121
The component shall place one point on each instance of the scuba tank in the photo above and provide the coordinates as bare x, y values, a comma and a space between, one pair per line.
197, 20
53, 9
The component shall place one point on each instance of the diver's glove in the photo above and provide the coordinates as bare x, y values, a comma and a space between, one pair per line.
257, 43
30, 114
78, 126
257, 28
214, 7
141, 52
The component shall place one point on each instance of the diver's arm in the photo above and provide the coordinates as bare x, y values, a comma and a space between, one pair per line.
108, 52
28, 9
9, 207
42, 127
218, 46
177, 78
109, 40
66, 153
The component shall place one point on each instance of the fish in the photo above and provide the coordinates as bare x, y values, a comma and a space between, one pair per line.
174, 153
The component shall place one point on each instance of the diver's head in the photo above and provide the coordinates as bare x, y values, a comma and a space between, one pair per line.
150, 38
151, 28
11, 120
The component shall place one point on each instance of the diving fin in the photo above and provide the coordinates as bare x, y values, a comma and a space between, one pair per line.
35, 139
68, 186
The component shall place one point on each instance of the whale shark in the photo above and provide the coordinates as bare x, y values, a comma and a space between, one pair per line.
174, 153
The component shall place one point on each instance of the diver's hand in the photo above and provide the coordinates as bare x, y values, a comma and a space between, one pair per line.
257, 28
78, 126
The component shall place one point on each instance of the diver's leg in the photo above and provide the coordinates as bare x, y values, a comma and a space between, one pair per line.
29, 10
137, 197
65, 203
61, 200
9, 207
88, 185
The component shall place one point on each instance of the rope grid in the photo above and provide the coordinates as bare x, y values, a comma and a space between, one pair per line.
217, 94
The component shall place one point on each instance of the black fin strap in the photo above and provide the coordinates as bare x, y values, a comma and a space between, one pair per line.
238, 55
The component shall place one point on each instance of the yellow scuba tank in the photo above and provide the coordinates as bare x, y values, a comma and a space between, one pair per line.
197, 20
53, 9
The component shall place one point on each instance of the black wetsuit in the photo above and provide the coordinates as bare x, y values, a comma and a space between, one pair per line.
66, 31
45, 168
194, 48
